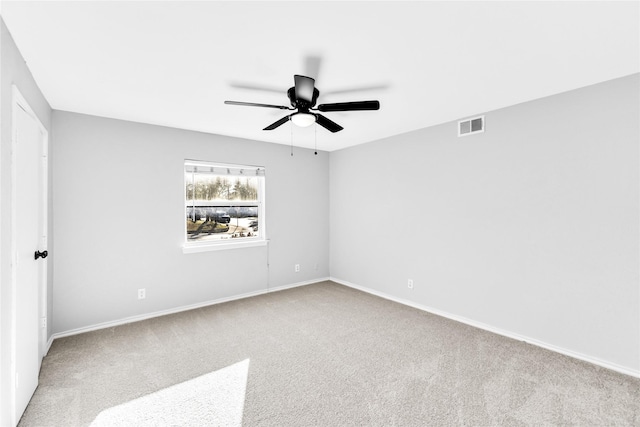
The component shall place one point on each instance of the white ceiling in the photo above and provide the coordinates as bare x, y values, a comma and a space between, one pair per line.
174, 63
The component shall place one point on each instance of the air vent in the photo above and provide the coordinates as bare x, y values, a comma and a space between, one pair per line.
471, 126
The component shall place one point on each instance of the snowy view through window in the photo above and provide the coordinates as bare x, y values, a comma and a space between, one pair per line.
221, 205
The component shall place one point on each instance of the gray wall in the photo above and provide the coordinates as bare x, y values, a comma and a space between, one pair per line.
119, 222
13, 70
530, 227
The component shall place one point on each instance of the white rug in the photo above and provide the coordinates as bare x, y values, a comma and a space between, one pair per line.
213, 399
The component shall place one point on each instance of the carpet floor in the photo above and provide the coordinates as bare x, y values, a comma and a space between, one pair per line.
319, 355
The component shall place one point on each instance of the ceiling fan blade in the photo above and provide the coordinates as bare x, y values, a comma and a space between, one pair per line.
375, 87
304, 87
251, 86
253, 104
328, 124
280, 122
350, 106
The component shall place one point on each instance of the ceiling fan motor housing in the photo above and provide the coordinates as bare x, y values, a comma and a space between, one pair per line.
302, 104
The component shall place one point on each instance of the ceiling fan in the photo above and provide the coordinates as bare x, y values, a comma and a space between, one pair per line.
303, 97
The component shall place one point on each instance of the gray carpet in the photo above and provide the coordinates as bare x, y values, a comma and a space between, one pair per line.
324, 355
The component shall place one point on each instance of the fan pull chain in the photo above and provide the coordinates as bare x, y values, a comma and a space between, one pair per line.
291, 129
315, 133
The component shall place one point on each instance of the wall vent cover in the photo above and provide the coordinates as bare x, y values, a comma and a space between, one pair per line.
471, 126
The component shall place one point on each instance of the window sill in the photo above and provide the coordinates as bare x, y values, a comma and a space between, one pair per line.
194, 248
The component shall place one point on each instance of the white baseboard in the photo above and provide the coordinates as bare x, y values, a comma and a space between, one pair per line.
146, 316
48, 346
508, 334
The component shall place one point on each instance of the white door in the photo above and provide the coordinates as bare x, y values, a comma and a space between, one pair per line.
29, 230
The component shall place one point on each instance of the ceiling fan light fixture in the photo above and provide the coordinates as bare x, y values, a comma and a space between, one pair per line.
303, 119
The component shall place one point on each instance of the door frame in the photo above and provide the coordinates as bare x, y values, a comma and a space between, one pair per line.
19, 102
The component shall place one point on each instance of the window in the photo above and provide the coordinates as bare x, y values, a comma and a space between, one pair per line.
224, 206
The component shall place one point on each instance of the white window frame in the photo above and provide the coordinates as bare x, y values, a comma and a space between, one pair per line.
225, 244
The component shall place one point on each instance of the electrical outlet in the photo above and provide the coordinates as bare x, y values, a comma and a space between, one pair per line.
44, 322
296, 268
142, 293
410, 284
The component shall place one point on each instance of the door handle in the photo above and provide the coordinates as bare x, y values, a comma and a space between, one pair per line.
39, 254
